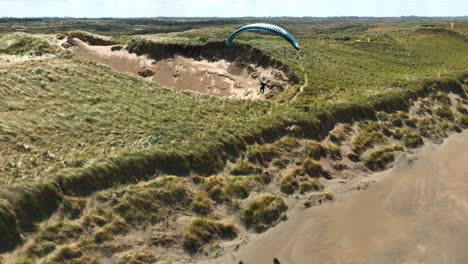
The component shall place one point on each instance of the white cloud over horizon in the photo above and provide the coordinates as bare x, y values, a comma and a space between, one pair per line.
230, 8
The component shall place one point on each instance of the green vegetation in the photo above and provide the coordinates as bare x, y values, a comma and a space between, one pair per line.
95, 146
442, 98
340, 133
332, 150
201, 231
214, 187
462, 109
412, 140
241, 187
310, 185
245, 168
110, 230
264, 212
138, 205
312, 168
445, 112
280, 163
464, 121
91, 39
314, 150
289, 182
365, 140
22, 44
432, 128
201, 204
263, 154
379, 159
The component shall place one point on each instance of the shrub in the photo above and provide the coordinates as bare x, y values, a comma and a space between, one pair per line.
442, 98
369, 126
314, 150
386, 126
353, 157
40, 249
332, 150
398, 134
214, 187
245, 168
68, 253
280, 163
462, 109
202, 231
412, 140
59, 233
107, 232
464, 121
201, 204
262, 154
340, 133
412, 122
142, 203
366, 140
312, 168
429, 127
445, 113
287, 143
92, 39
311, 185
241, 187
379, 159
19, 44
198, 179
289, 183
163, 239
136, 257
72, 207
456, 128
396, 120
264, 212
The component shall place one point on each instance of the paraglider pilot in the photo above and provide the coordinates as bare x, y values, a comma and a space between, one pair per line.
262, 87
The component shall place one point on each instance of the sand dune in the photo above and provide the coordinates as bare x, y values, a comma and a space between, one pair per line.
219, 78
416, 213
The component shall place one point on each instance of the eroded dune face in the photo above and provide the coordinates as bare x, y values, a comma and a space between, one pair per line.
219, 78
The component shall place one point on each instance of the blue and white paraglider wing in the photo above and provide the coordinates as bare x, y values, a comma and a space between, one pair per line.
265, 28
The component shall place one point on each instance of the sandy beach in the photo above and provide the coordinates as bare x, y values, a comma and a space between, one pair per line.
416, 212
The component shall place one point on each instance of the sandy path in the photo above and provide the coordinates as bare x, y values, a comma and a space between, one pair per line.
416, 213
306, 82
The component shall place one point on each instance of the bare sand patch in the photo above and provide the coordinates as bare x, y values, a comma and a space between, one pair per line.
218, 78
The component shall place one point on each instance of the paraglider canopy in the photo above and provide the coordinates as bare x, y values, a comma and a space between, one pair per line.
265, 28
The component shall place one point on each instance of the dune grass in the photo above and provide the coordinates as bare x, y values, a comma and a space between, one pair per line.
264, 212
379, 159
202, 230
70, 127
289, 182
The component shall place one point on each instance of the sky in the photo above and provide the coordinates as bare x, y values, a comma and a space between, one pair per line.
230, 8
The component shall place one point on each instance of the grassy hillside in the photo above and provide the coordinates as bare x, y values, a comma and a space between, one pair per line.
72, 132
355, 61
58, 113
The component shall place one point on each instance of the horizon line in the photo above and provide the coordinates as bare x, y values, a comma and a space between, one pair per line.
145, 17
